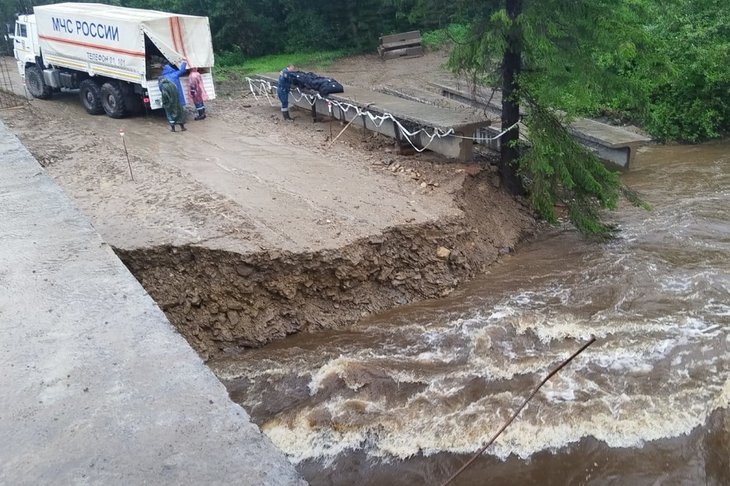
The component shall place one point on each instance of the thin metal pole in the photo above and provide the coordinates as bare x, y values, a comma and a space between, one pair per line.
517, 412
124, 143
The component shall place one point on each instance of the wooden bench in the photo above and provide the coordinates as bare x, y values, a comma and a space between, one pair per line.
407, 44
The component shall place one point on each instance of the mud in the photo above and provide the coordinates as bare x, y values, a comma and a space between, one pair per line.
246, 228
222, 301
9, 101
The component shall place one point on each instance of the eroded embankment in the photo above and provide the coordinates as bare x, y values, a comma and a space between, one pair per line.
221, 301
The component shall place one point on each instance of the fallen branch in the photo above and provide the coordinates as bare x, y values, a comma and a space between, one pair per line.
517, 412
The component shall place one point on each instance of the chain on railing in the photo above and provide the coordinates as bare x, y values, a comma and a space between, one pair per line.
262, 87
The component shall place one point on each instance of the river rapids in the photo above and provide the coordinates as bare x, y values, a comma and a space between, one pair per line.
404, 397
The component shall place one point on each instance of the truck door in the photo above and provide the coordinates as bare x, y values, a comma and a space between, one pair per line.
22, 46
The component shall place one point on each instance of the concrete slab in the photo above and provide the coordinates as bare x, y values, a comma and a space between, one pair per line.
418, 113
610, 143
97, 386
411, 114
609, 135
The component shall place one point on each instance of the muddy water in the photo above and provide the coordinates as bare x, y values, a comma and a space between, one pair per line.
403, 397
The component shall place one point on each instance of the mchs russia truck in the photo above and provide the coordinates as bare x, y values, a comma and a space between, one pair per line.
112, 55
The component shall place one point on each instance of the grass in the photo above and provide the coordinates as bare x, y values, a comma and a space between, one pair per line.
231, 63
436, 39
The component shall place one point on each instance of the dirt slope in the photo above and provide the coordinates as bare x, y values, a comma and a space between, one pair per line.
246, 228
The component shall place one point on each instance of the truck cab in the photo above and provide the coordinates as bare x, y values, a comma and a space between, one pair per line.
112, 55
25, 42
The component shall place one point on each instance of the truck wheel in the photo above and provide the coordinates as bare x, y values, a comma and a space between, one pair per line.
90, 94
112, 99
34, 81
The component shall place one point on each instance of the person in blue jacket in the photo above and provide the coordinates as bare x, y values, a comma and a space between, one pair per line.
282, 90
173, 75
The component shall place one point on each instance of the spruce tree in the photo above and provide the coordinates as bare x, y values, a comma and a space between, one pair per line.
541, 52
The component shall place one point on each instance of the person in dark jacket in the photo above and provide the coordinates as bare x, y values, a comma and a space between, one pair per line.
282, 90
173, 75
174, 111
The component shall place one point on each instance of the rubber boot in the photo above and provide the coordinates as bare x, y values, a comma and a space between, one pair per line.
172, 127
182, 127
202, 113
286, 115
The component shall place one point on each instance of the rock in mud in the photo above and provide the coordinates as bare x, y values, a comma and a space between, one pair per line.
244, 270
443, 253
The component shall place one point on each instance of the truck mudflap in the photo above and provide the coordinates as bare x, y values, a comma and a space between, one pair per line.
153, 91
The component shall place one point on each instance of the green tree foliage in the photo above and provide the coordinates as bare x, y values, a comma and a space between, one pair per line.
330, 25
545, 54
259, 27
426, 14
565, 47
557, 171
692, 103
7, 13
663, 64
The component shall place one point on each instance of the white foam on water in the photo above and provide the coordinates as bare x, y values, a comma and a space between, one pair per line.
619, 421
560, 390
564, 327
677, 285
646, 378
430, 357
537, 299
261, 369
501, 312
300, 442
335, 368
718, 309
638, 358
436, 419
525, 298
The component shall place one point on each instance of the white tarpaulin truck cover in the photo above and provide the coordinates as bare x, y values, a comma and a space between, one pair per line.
107, 40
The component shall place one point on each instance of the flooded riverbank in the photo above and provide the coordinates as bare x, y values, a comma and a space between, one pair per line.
406, 393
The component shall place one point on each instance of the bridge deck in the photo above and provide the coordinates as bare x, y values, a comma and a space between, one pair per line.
612, 144
608, 135
411, 114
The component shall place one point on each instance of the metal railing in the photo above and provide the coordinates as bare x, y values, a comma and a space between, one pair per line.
12, 90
